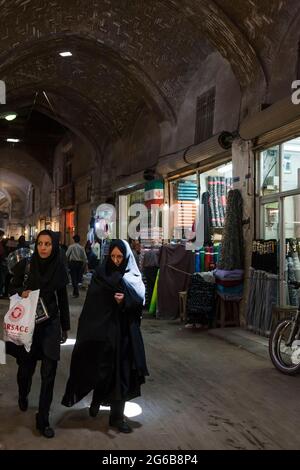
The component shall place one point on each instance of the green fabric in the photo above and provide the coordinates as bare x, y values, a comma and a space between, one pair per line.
153, 303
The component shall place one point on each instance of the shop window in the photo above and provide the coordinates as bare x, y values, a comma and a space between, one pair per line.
291, 165
184, 198
137, 197
270, 171
205, 116
270, 223
292, 248
280, 213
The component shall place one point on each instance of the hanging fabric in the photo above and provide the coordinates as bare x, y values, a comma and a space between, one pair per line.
232, 252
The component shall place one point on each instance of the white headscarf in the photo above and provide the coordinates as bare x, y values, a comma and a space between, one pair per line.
133, 275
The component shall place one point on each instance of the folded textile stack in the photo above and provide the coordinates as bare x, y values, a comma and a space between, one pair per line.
207, 257
229, 284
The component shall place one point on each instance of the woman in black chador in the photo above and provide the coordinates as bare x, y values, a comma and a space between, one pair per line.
47, 273
109, 356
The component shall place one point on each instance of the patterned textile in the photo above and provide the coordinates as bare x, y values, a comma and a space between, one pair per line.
201, 296
263, 295
218, 187
232, 250
207, 218
264, 255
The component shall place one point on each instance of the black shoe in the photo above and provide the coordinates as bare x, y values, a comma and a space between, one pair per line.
44, 428
120, 424
23, 403
94, 409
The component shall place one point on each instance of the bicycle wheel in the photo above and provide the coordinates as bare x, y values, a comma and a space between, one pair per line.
285, 357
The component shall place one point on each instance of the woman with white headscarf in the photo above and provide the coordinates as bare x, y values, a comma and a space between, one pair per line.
109, 356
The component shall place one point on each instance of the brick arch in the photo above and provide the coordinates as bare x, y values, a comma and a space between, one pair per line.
128, 71
225, 37
137, 28
5, 192
14, 185
18, 162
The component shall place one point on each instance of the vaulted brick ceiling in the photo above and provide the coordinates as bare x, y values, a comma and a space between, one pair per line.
129, 54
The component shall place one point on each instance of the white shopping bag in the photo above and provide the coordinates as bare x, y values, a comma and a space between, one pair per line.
19, 321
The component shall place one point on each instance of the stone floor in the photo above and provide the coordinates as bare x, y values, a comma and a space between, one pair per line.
204, 392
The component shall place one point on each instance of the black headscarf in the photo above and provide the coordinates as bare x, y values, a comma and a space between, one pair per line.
47, 274
110, 266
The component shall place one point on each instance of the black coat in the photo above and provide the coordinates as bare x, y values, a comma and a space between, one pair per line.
47, 335
109, 355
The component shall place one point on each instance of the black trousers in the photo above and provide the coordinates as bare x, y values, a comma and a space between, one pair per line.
76, 272
117, 410
116, 407
48, 372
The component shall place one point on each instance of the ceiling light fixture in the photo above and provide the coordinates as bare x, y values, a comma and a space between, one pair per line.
12, 140
8, 115
65, 54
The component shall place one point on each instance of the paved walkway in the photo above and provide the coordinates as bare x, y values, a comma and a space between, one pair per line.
203, 393
244, 339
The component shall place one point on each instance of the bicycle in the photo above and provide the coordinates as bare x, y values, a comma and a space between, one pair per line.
284, 343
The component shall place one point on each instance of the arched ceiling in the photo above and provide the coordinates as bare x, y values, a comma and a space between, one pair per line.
13, 187
20, 169
128, 54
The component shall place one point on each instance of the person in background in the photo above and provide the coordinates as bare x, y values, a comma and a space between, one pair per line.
11, 245
47, 273
109, 356
22, 242
77, 260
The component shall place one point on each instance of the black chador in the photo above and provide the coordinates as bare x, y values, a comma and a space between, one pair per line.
109, 356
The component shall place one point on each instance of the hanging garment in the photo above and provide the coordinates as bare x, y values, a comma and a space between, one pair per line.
201, 297
232, 252
207, 218
263, 295
264, 255
292, 291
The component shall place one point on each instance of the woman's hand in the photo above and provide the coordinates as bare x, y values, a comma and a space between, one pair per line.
119, 297
25, 294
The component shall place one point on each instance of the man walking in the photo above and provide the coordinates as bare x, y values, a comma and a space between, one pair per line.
77, 260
